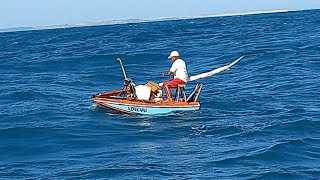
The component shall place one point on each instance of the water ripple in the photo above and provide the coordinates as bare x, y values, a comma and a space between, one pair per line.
258, 121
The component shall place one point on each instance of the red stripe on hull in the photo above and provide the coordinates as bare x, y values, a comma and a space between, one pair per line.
115, 109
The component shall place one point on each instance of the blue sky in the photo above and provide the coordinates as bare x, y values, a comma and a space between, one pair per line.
25, 13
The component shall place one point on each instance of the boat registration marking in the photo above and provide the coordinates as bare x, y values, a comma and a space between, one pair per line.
137, 109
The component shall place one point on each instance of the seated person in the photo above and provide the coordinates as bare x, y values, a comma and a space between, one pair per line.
179, 70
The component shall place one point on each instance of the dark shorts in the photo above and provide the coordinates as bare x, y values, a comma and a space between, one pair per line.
175, 82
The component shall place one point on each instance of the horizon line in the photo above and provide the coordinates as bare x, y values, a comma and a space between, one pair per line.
135, 21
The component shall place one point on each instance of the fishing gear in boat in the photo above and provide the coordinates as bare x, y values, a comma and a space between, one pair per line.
129, 86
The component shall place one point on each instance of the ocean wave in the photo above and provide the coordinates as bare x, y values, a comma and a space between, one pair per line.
277, 152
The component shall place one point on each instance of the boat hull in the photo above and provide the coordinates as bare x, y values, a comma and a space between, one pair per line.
137, 107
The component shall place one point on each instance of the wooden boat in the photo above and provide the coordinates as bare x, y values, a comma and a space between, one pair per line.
113, 101
127, 99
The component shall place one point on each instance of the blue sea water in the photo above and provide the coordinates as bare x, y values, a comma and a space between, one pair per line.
260, 120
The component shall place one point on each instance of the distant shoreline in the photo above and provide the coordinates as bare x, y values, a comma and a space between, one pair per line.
159, 19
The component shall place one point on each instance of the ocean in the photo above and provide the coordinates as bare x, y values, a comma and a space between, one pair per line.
260, 120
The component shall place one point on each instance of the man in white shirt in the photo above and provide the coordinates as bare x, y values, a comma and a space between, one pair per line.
179, 69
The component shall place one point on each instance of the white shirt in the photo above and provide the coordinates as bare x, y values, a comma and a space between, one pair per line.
180, 70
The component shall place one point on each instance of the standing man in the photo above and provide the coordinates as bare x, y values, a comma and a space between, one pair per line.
179, 69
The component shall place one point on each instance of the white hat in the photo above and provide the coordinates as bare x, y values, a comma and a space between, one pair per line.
173, 54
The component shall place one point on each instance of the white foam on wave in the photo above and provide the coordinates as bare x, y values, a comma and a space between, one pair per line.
158, 19
218, 15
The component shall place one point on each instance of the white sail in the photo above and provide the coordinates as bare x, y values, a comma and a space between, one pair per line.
215, 71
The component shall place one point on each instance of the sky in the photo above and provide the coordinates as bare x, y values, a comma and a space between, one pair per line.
37, 13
